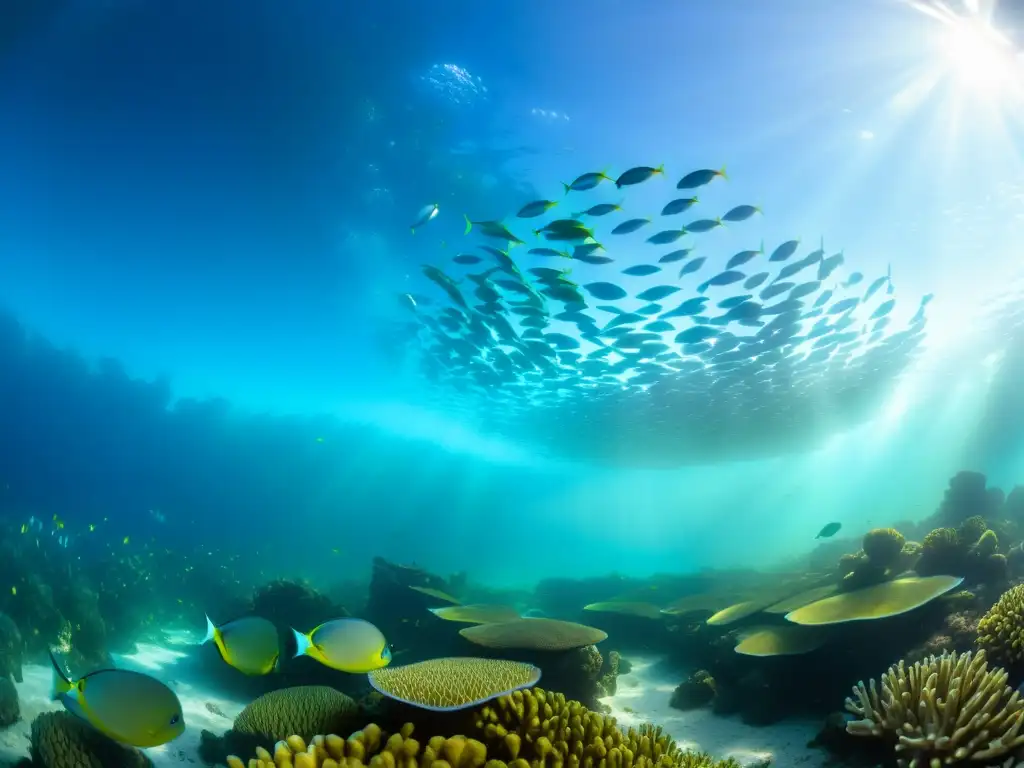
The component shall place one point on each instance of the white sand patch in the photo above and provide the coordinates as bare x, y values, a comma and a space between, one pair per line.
203, 708
642, 696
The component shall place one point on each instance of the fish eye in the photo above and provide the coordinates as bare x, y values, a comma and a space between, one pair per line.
175, 719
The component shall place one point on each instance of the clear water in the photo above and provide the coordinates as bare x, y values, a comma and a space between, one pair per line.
206, 209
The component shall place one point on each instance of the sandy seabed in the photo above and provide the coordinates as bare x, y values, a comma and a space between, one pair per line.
642, 696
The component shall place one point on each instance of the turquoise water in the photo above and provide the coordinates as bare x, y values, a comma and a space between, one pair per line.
207, 210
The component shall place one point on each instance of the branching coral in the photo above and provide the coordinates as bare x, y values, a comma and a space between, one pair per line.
1001, 630
527, 729
945, 710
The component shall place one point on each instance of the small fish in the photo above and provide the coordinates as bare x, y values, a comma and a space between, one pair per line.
348, 645
467, 258
586, 181
691, 266
696, 179
630, 225
637, 175
703, 225
641, 270
494, 229
536, 208
601, 209
549, 252
741, 213
728, 277
696, 334
249, 644
674, 256
853, 280
427, 213
657, 293
129, 707
666, 236
784, 251
755, 280
605, 291
741, 258
829, 531
678, 206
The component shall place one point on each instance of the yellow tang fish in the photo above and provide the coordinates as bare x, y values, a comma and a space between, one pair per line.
249, 644
348, 645
129, 707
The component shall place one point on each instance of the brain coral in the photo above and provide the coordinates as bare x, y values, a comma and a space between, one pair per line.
304, 710
453, 683
945, 710
1001, 630
534, 634
61, 740
527, 729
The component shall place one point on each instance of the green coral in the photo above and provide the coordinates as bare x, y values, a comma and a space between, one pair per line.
1001, 630
970, 552
61, 740
882, 546
972, 529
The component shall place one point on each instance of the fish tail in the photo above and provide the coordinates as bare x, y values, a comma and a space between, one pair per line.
660, 168
59, 683
302, 643
723, 174
469, 224
568, 187
211, 632
413, 230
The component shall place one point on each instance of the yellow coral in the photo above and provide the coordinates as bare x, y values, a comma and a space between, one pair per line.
882, 546
61, 740
949, 709
1001, 630
972, 529
986, 545
527, 729
453, 683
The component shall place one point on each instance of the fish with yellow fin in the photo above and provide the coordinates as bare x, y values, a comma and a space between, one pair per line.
348, 645
249, 644
130, 707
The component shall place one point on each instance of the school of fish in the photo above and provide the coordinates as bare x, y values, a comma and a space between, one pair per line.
725, 355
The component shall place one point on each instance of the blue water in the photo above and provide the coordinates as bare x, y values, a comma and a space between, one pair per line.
205, 208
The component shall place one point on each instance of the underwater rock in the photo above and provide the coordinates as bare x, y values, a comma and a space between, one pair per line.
11, 649
695, 691
966, 497
10, 706
61, 740
295, 604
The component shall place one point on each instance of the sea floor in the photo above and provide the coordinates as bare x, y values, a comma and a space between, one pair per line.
642, 696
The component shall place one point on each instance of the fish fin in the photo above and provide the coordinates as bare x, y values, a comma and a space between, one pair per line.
723, 174
276, 666
60, 683
413, 230
302, 643
469, 224
211, 632
660, 169
568, 188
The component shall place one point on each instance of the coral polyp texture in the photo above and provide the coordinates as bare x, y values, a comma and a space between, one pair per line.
883, 546
303, 709
453, 683
946, 710
61, 740
527, 729
1001, 630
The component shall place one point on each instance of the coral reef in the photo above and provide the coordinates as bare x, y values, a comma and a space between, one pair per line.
695, 691
1001, 630
534, 635
527, 728
61, 740
882, 547
967, 496
948, 709
11, 649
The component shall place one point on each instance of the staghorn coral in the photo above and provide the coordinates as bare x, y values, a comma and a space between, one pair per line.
61, 740
453, 683
525, 729
882, 546
1001, 630
949, 709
